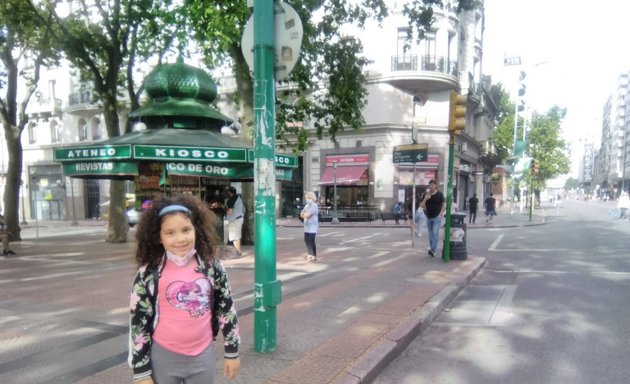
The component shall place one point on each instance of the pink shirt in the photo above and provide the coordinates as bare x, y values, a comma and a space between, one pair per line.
184, 322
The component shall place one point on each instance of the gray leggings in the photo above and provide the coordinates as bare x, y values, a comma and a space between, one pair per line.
173, 368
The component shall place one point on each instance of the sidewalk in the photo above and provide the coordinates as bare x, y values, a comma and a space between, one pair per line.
339, 323
360, 351
506, 217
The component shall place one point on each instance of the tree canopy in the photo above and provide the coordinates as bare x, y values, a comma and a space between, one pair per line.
24, 49
544, 137
326, 88
105, 40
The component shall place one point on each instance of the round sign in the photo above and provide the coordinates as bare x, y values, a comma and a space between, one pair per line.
288, 33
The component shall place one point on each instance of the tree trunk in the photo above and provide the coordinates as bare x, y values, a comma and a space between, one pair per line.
117, 227
12, 187
247, 237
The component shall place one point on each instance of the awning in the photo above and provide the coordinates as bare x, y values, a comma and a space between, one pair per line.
344, 175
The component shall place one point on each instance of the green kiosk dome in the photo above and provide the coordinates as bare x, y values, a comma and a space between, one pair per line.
180, 96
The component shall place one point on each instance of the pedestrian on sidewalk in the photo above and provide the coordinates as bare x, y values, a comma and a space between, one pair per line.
235, 212
310, 215
490, 204
419, 216
397, 211
434, 206
175, 246
473, 203
624, 205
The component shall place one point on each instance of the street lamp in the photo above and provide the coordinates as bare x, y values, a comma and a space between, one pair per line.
23, 222
35, 188
414, 139
335, 219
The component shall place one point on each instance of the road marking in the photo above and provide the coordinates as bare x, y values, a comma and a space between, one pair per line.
552, 272
329, 234
363, 238
389, 261
496, 242
493, 247
56, 275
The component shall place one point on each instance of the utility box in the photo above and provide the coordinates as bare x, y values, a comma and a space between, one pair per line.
458, 237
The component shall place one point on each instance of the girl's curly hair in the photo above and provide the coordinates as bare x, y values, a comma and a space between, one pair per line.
149, 250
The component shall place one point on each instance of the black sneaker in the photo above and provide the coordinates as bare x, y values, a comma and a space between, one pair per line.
431, 253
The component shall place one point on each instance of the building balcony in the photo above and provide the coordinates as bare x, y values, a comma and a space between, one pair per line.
424, 63
45, 108
420, 74
82, 102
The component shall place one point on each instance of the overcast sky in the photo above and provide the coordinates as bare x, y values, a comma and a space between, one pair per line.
579, 47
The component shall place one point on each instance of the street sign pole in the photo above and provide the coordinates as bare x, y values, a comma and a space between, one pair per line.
266, 286
509, 61
446, 256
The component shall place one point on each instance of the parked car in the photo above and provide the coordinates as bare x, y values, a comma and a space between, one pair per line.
133, 216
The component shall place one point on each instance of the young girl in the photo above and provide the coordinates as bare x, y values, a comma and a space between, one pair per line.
180, 297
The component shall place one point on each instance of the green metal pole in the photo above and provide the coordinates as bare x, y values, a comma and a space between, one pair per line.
266, 287
531, 196
446, 255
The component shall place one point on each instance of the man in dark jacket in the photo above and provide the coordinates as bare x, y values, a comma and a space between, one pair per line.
473, 204
434, 205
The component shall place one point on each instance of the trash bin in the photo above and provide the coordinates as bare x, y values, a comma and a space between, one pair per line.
458, 237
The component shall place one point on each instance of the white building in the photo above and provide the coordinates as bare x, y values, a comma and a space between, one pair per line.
449, 59
610, 161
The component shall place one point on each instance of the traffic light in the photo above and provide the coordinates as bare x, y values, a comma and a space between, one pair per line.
534, 167
457, 115
522, 89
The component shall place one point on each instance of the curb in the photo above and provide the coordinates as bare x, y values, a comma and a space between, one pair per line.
371, 363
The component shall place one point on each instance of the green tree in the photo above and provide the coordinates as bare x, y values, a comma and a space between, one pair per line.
105, 40
547, 145
24, 49
327, 86
503, 135
571, 183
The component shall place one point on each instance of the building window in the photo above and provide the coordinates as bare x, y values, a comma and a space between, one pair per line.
97, 132
83, 134
55, 132
31, 133
401, 44
430, 51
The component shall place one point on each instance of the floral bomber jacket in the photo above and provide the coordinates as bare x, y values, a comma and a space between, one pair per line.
144, 317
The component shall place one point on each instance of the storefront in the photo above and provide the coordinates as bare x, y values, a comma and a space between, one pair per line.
349, 176
425, 172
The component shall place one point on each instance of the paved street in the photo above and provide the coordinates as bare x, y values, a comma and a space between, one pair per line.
65, 293
550, 306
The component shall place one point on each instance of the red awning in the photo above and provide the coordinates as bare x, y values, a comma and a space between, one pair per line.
344, 175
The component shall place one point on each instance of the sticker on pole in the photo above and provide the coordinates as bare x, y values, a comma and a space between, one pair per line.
288, 33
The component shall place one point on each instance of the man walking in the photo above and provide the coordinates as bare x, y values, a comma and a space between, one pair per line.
473, 203
490, 204
234, 214
434, 206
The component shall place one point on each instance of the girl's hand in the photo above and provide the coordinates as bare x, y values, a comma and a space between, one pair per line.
231, 368
145, 381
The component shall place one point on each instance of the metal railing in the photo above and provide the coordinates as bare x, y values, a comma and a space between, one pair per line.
85, 97
424, 63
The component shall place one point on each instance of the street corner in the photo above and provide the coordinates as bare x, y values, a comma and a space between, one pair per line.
467, 269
